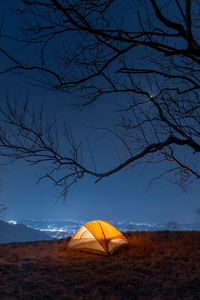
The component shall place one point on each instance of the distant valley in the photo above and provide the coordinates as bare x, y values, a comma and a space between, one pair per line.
16, 230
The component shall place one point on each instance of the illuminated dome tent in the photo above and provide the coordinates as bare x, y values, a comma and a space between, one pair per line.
99, 236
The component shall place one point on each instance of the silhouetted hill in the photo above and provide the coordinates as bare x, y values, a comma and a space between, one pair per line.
19, 233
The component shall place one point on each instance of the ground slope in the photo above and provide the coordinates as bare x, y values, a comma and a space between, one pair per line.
157, 265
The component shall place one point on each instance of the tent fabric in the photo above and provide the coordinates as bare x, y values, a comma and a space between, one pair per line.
99, 236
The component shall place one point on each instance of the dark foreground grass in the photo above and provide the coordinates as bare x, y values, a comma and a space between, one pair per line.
156, 265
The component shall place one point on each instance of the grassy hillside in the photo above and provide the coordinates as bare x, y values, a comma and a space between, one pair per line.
156, 265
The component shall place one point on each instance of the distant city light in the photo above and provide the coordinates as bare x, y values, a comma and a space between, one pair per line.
12, 222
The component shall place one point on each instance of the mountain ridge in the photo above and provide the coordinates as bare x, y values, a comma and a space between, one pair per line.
10, 233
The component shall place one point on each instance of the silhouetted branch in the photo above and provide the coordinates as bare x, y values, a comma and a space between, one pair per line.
151, 68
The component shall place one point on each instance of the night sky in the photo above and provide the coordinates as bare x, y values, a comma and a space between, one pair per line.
123, 196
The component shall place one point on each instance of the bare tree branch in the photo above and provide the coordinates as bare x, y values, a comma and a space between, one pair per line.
151, 65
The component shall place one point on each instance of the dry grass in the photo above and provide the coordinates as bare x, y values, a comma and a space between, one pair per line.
156, 265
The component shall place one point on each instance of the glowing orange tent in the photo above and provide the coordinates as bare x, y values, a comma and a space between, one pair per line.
99, 236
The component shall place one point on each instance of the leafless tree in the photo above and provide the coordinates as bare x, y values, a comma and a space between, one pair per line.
2, 209
197, 211
144, 53
2, 205
171, 225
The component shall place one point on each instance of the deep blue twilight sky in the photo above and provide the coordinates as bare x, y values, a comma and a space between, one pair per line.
122, 196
